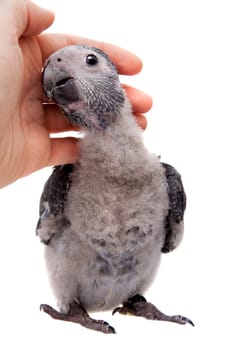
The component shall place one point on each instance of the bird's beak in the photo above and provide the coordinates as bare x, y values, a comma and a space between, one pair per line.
59, 85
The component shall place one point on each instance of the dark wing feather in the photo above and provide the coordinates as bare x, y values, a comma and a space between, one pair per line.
177, 206
56, 189
53, 198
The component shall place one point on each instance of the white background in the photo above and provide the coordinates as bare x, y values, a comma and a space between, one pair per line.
186, 47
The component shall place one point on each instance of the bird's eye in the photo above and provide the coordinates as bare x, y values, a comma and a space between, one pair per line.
91, 60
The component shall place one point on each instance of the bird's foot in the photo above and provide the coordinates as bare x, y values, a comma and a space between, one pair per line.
138, 306
78, 314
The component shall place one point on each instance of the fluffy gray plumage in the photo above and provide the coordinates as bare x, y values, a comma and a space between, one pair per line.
106, 219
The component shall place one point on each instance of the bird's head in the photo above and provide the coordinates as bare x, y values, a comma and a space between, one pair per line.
84, 83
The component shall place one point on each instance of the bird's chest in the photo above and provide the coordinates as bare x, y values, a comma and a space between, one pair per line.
104, 211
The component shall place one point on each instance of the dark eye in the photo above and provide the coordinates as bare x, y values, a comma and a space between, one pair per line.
92, 60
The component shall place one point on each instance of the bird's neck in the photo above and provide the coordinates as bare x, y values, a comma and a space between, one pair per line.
118, 149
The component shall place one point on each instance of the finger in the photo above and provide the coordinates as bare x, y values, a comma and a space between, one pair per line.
126, 62
63, 151
141, 121
25, 17
38, 19
141, 102
55, 120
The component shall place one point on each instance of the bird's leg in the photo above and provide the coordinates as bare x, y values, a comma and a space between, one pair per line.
78, 314
138, 306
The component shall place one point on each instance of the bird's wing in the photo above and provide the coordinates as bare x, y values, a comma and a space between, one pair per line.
177, 205
53, 198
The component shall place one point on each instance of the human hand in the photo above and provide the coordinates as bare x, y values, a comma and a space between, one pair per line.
25, 122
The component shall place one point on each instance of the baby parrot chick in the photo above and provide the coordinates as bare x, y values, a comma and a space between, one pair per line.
105, 220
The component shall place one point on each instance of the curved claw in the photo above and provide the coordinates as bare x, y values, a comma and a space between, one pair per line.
117, 309
48, 309
125, 310
182, 320
109, 328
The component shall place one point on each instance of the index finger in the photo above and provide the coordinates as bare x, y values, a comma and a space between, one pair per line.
127, 63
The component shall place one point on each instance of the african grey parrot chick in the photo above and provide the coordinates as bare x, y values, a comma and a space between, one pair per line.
107, 219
